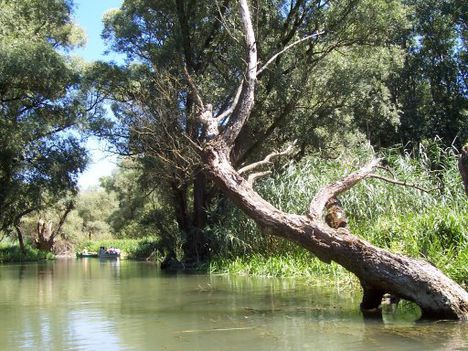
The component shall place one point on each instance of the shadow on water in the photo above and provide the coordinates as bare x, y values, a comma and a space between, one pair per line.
125, 305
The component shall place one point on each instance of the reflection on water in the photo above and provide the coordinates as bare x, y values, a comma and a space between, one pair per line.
90, 304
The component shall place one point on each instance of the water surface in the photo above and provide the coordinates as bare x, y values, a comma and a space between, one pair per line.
89, 304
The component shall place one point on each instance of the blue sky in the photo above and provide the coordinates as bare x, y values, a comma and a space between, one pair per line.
88, 15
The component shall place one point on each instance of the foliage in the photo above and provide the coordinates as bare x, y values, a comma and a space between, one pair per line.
432, 87
132, 216
94, 208
299, 265
10, 252
41, 107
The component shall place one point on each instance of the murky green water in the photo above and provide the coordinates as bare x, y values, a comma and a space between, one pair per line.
123, 305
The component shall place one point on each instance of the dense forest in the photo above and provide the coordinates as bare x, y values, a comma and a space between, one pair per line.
336, 83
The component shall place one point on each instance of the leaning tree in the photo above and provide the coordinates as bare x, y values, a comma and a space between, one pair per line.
209, 134
350, 42
378, 270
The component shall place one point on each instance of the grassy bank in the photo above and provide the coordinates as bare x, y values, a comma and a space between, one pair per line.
430, 225
10, 252
295, 265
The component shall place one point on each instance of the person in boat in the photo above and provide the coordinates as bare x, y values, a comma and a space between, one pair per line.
113, 251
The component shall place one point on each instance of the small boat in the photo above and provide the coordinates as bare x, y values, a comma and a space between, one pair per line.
86, 254
109, 253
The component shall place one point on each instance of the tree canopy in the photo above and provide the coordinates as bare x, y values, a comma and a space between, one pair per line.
333, 81
43, 111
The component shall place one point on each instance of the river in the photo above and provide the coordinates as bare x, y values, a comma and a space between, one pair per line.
88, 304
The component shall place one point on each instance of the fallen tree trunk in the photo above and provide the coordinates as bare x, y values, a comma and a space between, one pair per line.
379, 271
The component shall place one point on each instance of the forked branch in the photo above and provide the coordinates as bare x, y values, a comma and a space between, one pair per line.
334, 189
232, 107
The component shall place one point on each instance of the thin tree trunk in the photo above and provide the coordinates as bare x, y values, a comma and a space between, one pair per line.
463, 167
20, 239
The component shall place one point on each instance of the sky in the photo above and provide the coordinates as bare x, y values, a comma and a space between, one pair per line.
88, 15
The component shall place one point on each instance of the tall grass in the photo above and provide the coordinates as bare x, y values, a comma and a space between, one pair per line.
402, 219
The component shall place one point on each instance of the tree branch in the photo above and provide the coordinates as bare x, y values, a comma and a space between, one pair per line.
332, 190
266, 160
254, 176
275, 56
68, 208
399, 182
231, 108
194, 88
247, 97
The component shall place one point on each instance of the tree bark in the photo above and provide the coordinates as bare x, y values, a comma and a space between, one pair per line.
463, 167
45, 239
20, 239
379, 271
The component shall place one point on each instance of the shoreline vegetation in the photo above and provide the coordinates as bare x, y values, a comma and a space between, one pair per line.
300, 265
431, 226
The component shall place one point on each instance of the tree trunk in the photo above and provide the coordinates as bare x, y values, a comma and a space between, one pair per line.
199, 244
46, 235
379, 271
44, 238
463, 167
20, 239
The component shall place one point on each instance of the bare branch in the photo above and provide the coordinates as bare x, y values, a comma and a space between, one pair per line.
275, 56
254, 176
386, 169
194, 88
194, 144
231, 108
266, 160
332, 190
247, 97
399, 182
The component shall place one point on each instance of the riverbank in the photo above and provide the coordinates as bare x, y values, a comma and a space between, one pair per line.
295, 264
10, 253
